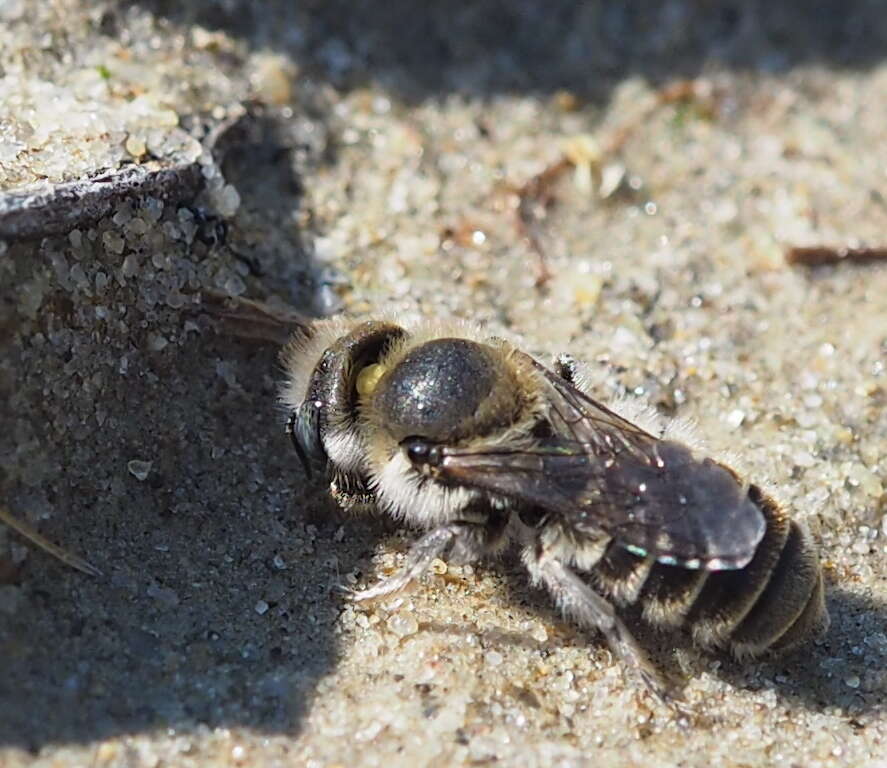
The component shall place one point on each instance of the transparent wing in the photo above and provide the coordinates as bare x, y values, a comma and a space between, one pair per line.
600, 472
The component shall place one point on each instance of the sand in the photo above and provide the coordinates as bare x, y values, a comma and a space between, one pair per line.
356, 159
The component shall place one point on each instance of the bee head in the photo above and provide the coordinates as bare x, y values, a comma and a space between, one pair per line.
325, 368
364, 400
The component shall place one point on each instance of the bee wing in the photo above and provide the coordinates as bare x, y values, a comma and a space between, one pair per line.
601, 473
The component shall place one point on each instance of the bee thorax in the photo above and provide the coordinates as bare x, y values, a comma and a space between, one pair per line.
446, 389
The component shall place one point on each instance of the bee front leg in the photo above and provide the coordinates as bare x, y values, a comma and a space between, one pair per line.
468, 541
581, 603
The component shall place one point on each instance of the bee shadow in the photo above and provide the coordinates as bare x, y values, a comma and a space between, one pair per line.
842, 668
169, 469
221, 572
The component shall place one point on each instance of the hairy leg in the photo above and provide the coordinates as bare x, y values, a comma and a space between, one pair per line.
581, 603
566, 367
467, 541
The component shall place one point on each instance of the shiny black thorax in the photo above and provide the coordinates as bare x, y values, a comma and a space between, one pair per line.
444, 390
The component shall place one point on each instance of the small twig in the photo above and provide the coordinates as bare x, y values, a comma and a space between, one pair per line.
534, 199
537, 195
818, 255
68, 558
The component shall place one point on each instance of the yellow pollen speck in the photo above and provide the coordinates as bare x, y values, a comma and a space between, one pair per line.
368, 378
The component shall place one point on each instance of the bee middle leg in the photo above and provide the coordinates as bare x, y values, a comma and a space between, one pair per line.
581, 603
466, 540
566, 366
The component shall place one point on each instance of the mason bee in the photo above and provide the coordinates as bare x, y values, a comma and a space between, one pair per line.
479, 445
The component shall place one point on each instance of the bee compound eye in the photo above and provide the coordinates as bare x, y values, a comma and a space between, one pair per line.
303, 428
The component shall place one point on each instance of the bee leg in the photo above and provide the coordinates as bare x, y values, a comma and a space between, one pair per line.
578, 601
567, 368
573, 372
469, 541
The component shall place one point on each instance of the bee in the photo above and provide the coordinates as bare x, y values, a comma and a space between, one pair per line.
480, 446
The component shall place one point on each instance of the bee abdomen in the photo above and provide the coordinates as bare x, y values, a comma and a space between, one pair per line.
670, 593
791, 603
621, 574
728, 597
814, 618
773, 603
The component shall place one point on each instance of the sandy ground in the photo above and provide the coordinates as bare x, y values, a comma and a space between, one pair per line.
365, 159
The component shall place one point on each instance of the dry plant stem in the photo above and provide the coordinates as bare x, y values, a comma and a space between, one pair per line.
538, 195
249, 319
535, 198
818, 255
68, 558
